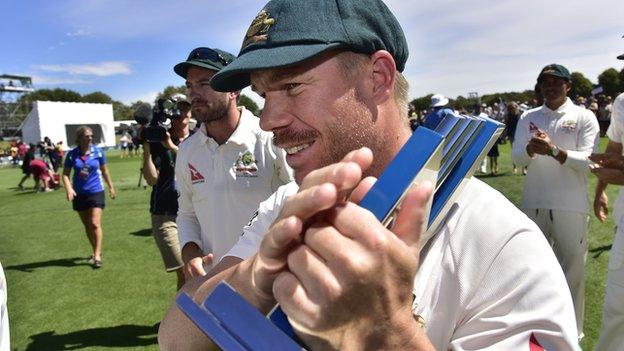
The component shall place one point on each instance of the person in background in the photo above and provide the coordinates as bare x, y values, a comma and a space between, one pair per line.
511, 122
5, 337
611, 171
554, 141
159, 172
439, 110
86, 189
43, 175
28, 156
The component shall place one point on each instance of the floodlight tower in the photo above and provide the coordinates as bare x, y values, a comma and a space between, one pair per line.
12, 113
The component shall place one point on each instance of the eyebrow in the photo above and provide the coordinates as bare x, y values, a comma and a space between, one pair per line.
277, 76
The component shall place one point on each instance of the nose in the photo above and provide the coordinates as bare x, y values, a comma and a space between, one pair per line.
275, 113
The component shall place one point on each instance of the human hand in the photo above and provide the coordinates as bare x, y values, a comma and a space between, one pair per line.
320, 190
168, 143
601, 206
71, 194
112, 193
350, 271
609, 175
540, 143
608, 160
195, 266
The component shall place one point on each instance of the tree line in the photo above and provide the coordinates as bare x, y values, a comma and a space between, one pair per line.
611, 81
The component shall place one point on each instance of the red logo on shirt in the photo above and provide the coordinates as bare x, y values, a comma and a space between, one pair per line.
532, 127
196, 177
534, 345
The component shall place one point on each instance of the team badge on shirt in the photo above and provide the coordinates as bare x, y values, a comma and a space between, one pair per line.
569, 125
245, 165
196, 177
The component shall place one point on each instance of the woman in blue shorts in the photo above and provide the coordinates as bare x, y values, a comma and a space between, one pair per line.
86, 190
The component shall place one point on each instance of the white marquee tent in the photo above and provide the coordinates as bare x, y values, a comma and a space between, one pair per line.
59, 121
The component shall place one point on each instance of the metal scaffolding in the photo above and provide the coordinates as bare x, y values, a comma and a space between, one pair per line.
13, 110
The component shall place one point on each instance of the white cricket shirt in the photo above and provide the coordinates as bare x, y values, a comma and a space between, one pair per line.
616, 134
549, 184
488, 280
221, 186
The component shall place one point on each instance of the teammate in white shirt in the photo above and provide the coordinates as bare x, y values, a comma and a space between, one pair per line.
5, 343
344, 280
555, 141
224, 170
612, 172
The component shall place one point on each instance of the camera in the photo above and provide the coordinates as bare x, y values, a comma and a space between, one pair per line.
154, 118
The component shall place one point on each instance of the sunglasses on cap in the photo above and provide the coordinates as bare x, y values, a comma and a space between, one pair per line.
207, 54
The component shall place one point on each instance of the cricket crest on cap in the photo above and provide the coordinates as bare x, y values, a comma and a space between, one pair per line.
258, 29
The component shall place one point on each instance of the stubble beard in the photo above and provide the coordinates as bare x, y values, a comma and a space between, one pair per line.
213, 111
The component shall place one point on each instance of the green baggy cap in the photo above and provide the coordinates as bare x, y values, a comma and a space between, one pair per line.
287, 32
555, 70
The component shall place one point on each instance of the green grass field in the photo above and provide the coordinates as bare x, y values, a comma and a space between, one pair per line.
58, 302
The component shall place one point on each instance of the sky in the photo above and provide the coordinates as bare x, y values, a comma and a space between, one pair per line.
127, 49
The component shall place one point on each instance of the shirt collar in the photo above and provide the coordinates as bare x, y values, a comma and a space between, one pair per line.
561, 109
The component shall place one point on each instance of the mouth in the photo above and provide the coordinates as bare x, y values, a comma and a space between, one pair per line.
297, 148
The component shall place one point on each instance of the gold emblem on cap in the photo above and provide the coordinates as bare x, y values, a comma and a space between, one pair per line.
258, 29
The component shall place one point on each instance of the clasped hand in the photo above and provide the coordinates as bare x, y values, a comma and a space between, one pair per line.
344, 280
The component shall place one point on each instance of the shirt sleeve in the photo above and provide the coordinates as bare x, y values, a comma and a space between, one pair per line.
102, 156
519, 154
505, 315
189, 229
616, 130
588, 141
69, 160
268, 210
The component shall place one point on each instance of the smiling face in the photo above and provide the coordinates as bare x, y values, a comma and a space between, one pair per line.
207, 105
317, 115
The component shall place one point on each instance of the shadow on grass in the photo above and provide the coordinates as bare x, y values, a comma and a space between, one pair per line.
62, 262
126, 335
490, 175
600, 250
142, 232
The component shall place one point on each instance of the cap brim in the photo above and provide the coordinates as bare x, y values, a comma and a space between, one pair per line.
235, 76
182, 68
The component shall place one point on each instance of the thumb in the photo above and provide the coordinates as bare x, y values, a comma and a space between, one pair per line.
411, 220
208, 259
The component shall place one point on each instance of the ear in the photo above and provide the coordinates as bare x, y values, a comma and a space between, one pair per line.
384, 76
234, 95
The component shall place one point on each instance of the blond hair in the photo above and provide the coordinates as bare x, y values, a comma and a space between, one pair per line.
80, 132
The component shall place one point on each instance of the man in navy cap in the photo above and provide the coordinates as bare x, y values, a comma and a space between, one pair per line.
224, 170
555, 141
335, 99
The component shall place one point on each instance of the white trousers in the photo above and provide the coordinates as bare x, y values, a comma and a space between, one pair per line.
567, 234
612, 331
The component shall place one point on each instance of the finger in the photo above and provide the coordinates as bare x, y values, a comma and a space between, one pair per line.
309, 202
281, 237
208, 259
413, 213
312, 271
359, 224
292, 297
344, 175
329, 244
361, 189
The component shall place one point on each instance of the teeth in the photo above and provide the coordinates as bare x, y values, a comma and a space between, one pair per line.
295, 149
